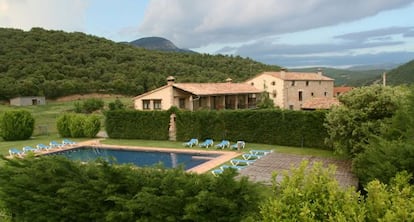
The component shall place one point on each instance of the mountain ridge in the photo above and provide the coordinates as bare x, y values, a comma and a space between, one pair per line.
157, 43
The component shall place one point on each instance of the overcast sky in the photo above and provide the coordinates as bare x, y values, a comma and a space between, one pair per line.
288, 33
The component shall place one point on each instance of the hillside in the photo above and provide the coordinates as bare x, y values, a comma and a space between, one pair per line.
403, 74
345, 77
56, 63
157, 43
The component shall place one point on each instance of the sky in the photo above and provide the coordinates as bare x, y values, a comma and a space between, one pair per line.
288, 33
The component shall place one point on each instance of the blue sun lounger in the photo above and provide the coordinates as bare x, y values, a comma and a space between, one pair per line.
54, 144
248, 156
241, 162
238, 168
68, 142
216, 172
223, 144
42, 146
260, 152
16, 152
206, 144
191, 143
27, 149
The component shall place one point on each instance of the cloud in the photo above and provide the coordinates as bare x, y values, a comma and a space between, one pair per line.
377, 33
360, 48
342, 60
65, 15
193, 24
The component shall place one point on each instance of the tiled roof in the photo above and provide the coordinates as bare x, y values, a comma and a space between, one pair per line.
298, 76
342, 89
320, 103
216, 88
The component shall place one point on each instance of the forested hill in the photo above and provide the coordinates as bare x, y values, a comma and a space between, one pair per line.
56, 63
404, 74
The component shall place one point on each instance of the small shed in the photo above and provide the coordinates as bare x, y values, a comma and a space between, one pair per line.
28, 101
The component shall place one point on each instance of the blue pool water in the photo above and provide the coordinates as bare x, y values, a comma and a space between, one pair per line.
139, 158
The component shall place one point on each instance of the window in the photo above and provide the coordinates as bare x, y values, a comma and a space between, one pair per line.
325, 93
312, 94
157, 104
145, 104
274, 93
291, 107
251, 101
300, 95
273, 83
181, 103
293, 83
307, 83
252, 83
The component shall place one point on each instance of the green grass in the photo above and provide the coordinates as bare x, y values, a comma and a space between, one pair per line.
45, 115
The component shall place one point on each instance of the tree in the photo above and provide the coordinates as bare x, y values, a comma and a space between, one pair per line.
311, 195
363, 113
391, 152
16, 125
265, 102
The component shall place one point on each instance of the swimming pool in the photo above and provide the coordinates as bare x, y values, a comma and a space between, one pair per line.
140, 158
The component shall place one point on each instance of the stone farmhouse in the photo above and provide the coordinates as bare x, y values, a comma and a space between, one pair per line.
288, 90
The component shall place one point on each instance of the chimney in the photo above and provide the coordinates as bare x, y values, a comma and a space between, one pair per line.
170, 80
384, 79
283, 72
319, 72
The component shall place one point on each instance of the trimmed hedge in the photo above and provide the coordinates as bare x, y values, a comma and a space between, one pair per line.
78, 125
16, 125
131, 124
281, 127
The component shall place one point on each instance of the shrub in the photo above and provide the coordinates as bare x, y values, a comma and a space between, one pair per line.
91, 126
62, 125
16, 125
78, 125
89, 105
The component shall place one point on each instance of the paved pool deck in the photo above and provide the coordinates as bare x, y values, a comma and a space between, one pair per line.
262, 169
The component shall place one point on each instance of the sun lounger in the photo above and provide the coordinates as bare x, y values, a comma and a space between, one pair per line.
54, 144
238, 168
223, 144
207, 143
42, 146
216, 172
241, 162
191, 143
248, 156
260, 152
27, 149
68, 142
16, 152
238, 145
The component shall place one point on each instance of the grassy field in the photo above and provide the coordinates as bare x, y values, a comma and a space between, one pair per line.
45, 115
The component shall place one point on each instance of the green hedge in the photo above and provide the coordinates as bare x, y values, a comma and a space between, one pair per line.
281, 127
131, 124
16, 125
